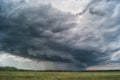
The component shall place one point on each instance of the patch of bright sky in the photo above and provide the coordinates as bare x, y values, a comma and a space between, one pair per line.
112, 66
19, 62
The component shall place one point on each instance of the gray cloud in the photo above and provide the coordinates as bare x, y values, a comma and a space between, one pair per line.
41, 32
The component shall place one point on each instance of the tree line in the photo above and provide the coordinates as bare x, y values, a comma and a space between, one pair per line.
7, 68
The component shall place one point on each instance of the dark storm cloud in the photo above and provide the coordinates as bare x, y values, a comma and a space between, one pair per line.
30, 32
40, 32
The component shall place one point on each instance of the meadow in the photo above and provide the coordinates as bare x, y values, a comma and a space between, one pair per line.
32, 75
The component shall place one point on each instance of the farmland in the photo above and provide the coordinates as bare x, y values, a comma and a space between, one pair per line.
36, 75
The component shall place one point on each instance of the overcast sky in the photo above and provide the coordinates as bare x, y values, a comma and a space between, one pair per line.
60, 34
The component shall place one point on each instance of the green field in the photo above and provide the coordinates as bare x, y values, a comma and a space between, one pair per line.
31, 75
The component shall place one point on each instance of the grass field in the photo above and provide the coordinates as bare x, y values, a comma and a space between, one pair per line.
19, 75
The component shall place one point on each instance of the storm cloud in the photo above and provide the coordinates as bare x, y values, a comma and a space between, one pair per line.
39, 31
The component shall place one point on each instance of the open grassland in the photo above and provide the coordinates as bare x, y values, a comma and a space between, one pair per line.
31, 75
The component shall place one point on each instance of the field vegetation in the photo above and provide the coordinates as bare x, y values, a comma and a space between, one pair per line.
57, 75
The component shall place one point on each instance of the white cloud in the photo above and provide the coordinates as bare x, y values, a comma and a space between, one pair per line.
73, 6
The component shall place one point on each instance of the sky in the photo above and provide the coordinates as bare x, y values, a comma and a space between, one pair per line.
60, 34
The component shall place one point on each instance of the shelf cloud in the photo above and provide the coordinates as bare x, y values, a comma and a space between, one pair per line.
43, 31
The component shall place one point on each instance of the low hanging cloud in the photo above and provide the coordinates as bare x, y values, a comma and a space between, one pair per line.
40, 32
